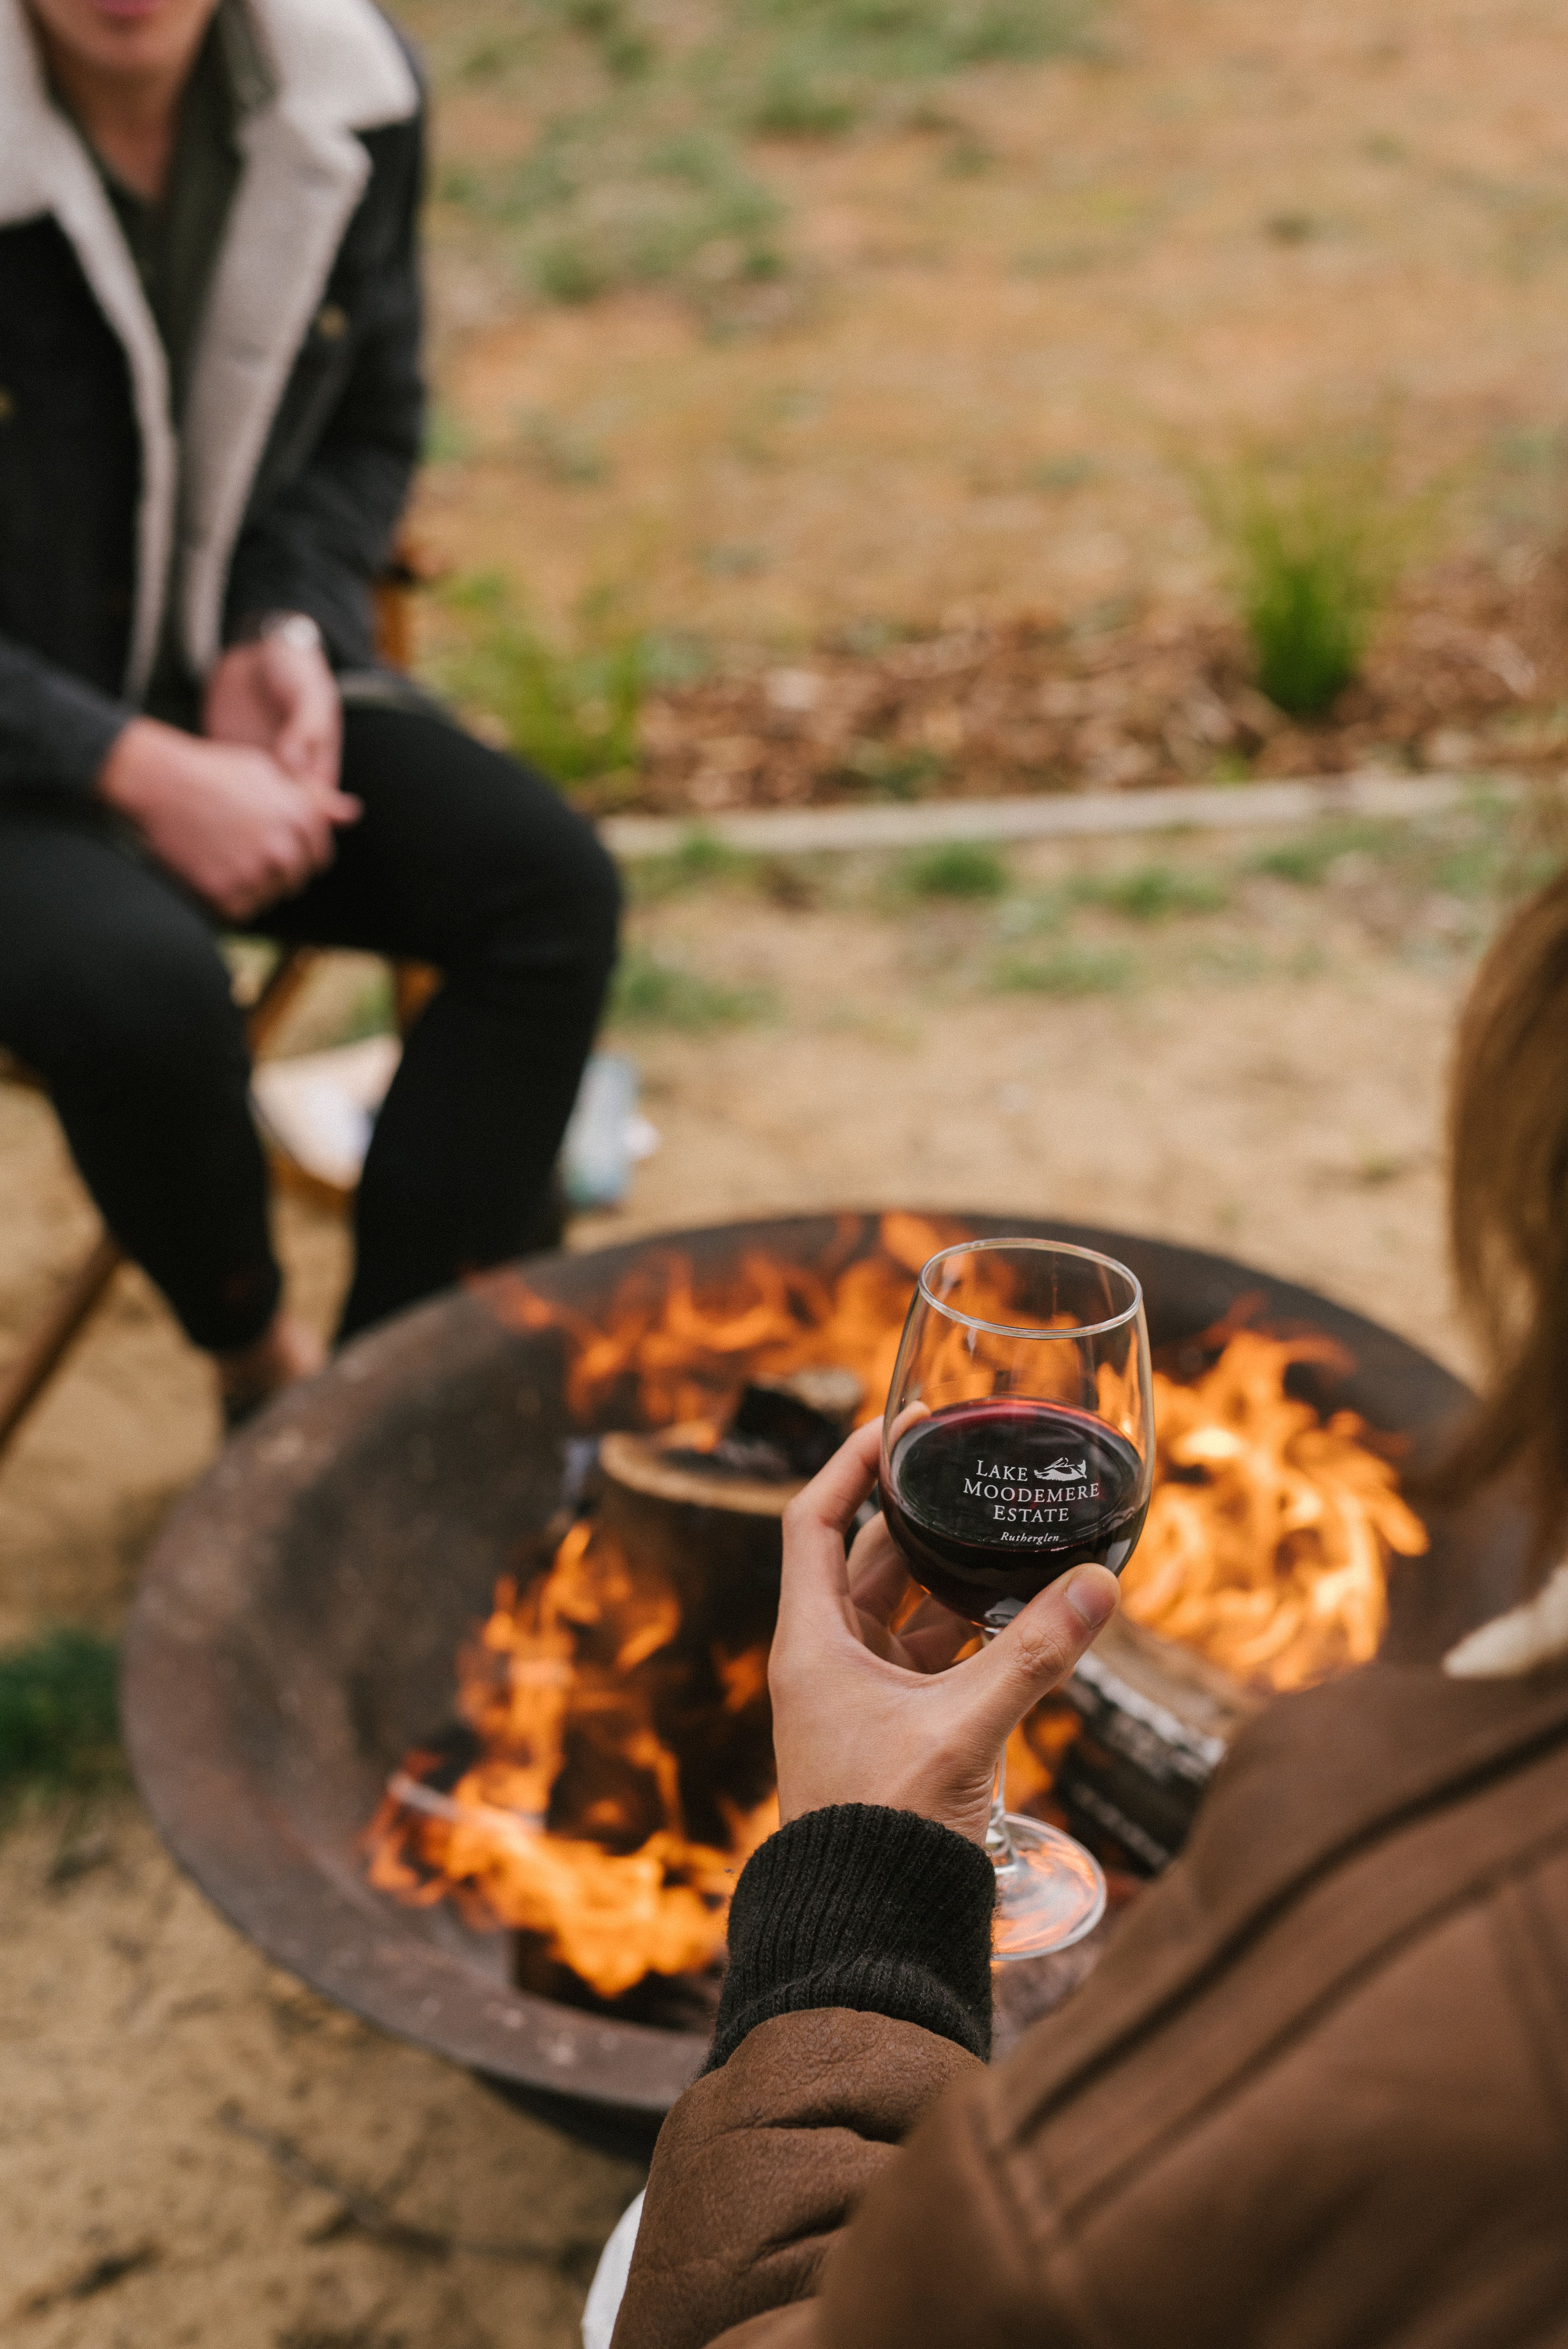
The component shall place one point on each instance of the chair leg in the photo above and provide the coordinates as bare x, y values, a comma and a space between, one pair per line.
24, 1381
277, 991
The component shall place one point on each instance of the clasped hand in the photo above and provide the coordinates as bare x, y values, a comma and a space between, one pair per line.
862, 1714
248, 812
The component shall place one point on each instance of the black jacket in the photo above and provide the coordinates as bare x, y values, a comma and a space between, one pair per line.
322, 501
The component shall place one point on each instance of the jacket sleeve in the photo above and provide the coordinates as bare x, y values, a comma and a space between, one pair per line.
56, 729
858, 1991
317, 543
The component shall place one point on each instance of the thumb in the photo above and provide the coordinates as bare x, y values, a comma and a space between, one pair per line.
299, 740
1040, 1647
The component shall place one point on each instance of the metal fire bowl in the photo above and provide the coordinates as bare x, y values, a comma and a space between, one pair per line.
295, 1632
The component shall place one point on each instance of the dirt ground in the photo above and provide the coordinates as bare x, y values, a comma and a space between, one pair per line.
194, 2149
1010, 333
1006, 331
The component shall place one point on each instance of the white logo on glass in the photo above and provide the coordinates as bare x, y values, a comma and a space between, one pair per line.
1066, 1471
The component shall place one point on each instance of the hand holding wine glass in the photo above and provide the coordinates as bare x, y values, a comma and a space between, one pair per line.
1018, 1445
862, 1714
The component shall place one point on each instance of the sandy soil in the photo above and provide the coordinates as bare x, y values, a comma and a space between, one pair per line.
980, 395
1273, 1092
192, 2149
1005, 343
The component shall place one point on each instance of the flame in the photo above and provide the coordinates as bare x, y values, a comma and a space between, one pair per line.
1267, 1538
679, 1357
1266, 1548
568, 1665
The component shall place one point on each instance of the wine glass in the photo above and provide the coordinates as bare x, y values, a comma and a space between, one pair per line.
1018, 1443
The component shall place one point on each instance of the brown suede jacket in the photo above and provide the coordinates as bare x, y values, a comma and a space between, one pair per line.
1315, 2095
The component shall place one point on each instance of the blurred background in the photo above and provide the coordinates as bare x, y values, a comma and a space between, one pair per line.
851, 403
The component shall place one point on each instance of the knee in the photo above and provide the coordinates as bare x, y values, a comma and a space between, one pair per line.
563, 908
152, 1013
598, 892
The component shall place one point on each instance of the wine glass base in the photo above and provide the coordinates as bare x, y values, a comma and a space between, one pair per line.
1049, 1895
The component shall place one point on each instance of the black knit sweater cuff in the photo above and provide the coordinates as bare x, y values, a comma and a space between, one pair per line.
855, 1906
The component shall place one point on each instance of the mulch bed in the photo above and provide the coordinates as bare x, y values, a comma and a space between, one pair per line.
1470, 669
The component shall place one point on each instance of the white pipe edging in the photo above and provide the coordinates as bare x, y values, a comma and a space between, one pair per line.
1056, 815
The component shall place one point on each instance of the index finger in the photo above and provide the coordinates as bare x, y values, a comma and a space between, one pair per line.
818, 1518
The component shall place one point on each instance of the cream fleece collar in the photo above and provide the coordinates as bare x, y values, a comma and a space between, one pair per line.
1518, 1642
338, 69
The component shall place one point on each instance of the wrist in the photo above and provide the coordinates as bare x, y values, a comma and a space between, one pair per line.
861, 1906
296, 630
133, 757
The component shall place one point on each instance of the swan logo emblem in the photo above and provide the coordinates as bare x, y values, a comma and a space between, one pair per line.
1066, 1471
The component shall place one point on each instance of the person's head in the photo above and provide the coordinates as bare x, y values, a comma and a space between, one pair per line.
140, 41
1508, 1208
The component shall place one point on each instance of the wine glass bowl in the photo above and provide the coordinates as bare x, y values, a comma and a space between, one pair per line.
1018, 1443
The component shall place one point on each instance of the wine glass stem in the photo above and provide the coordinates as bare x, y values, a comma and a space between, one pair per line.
1000, 1848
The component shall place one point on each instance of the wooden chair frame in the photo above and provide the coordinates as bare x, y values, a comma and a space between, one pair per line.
46, 1345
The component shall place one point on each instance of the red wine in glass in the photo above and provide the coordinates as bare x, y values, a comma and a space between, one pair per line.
991, 1501
1018, 1443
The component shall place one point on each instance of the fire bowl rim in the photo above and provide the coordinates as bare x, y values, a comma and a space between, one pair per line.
234, 1838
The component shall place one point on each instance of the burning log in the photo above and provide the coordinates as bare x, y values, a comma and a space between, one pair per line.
622, 1765
619, 1766
1153, 1723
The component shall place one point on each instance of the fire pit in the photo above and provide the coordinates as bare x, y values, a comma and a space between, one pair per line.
294, 1639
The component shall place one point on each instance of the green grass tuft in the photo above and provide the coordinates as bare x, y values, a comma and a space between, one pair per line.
1152, 893
956, 868
700, 861
1308, 861
1315, 548
651, 993
790, 104
1068, 970
59, 1729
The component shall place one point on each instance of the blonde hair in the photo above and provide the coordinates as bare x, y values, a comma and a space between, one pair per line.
1508, 1214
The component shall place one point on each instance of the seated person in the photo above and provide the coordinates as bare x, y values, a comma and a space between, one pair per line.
1315, 2094
211, 407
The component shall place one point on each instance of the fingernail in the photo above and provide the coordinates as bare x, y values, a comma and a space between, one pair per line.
1092, 1594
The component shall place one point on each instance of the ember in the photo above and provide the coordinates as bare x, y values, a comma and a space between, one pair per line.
617, 1775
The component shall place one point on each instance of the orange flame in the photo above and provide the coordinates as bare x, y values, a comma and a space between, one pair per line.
565, 1664
1266, 1548
681, 1356
1267, 1539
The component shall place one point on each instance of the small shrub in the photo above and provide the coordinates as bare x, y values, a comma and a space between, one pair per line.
1315, 549
572, 714
651, 993
1152, 893
58, 1715
956, 868
1068, 970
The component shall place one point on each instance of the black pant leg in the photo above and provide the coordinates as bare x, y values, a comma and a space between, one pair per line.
466, 860
112, 989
